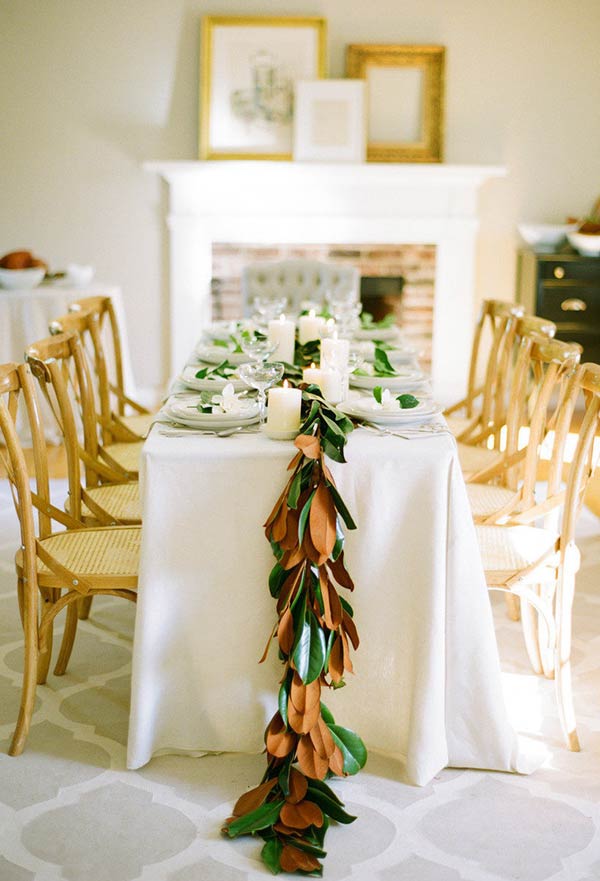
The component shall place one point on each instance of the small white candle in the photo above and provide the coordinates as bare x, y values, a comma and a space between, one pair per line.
283, 410
309, 327
335, 352
312, 374
282, 332
332, 385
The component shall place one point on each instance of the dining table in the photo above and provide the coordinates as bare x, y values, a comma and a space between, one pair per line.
427, 682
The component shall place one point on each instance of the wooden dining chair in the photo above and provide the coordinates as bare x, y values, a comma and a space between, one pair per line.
116, 462
110, 370
54, 569
482, 449
492, 341
539, 563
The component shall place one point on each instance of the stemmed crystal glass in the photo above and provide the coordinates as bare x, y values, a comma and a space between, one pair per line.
268, 308
261, 376
257, 348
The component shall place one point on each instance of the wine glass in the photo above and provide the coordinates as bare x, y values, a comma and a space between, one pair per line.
257, 348
268, 308
260, 376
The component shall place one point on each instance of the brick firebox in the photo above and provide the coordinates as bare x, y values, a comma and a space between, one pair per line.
415, 263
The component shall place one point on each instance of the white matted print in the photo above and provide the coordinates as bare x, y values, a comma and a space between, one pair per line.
248, 72
330, 121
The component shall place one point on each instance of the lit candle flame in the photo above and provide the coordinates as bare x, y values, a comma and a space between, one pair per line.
312, 365
311, 313
286, 384
282, 318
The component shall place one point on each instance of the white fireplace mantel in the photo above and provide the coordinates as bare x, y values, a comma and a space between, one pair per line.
310, 203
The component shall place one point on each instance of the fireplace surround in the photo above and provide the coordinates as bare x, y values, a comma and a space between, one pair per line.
287, 202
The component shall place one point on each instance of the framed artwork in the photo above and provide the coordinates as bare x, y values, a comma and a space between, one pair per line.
248, 70
330, 121
405, 99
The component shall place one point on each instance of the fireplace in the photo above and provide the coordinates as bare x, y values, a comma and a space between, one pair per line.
294, 203
394, 278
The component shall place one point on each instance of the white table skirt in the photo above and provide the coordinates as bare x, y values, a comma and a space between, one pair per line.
427, 685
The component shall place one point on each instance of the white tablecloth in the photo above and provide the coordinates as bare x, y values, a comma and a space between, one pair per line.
427, 685
26, 313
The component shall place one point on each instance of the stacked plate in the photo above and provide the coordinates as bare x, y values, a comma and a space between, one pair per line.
407, 381
373, 333
211, 384
216, 354
184, 411
363, 407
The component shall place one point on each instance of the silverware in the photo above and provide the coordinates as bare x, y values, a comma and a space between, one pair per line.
226, 432
407, 433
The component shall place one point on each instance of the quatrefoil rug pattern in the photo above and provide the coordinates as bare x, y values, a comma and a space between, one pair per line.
70, 811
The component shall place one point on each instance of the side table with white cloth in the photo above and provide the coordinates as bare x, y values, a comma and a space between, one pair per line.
427, 687
25, 314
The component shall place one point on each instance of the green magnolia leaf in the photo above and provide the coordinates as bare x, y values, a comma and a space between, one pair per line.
284, 774
224, 344
270, 855
339, 541
381, 344
377, 393
201, 374
407, 402
318, 834
312, 415
366, 319
381, 364
332, 450
353, 749
276, 578
299, 616
330, 641
303, 519
341, 507
321, 786
327, 714
309, 656
346, 605
283, 703
361, 372
308, 847
330, 807
265, 815
294, 492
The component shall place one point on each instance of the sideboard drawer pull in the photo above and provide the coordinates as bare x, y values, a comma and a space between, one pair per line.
573, 305
559, 272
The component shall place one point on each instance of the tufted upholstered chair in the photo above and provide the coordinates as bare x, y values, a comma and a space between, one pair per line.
297, 280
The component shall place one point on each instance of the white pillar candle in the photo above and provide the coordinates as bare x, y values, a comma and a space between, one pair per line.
309, 327
332, 385
282, 332
283, 410
312, 374
335, 352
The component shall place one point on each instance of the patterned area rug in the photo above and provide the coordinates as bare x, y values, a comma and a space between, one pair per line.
69, 809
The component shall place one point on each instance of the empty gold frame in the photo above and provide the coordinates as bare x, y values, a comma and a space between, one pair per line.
248, 69
405, 97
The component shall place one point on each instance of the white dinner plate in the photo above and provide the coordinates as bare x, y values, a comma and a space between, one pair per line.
400, 383
222, 330
212, 421
216, 383
216, 354
361, 408
372, 333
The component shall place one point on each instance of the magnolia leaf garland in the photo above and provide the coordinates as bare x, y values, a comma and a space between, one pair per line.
292, 807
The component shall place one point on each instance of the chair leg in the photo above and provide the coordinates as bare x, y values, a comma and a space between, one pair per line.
529, 624
68, 639
513, 606
84, 605
21, 599
564, 692
45, 657
30, 671
546, 643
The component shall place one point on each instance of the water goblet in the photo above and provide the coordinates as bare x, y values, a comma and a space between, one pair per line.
269, 307
257, 347
261, 376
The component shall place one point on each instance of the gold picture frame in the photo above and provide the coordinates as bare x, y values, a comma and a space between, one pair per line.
405, 97
248, 67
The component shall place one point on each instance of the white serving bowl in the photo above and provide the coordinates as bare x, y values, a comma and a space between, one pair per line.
545, 237
588, 245
22, 278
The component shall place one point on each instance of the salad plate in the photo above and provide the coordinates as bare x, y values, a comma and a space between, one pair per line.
215, 354
404, 382
386, 334
189, 379
364, 407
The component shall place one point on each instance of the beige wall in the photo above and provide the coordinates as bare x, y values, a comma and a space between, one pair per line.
91, 88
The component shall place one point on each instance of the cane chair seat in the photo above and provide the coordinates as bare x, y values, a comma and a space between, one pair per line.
474, 459
139, 424
508, 550
459, 424
127, 456
486, 499
121, 501
107, 557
